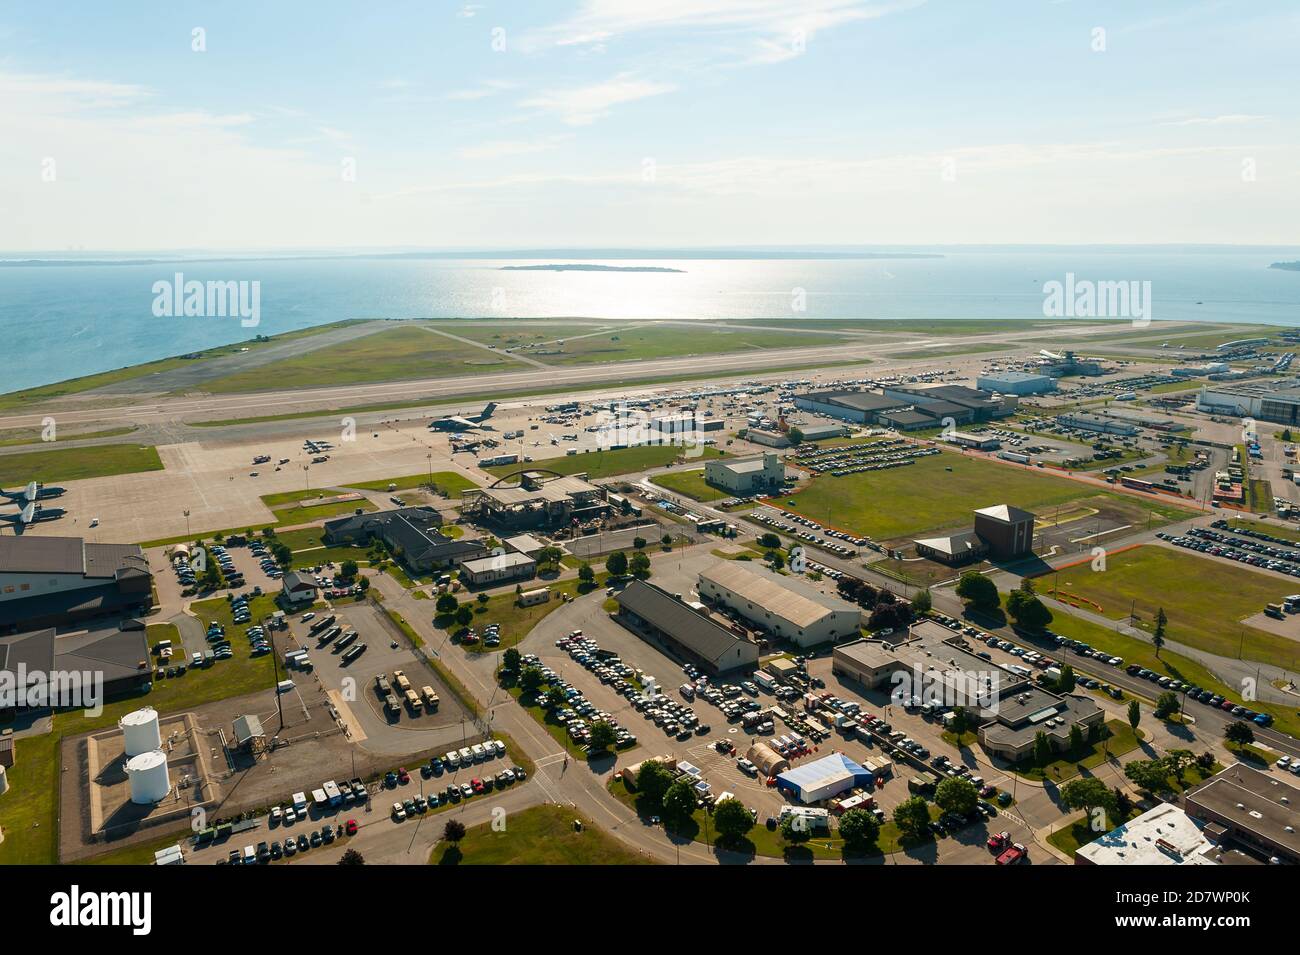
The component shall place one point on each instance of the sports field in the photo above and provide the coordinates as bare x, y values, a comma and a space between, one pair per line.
1205, 600
76, 464
935, 493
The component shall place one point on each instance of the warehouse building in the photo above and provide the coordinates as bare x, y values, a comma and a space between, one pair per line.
1096, 424
768, 439
1277, 402
860, 407
41, 670
1016, 383
1243, 807
786, 607
977, 442
958, 402
497, 569
683, 629
64, 581
823, 779
743, 476
823, 432
954, 549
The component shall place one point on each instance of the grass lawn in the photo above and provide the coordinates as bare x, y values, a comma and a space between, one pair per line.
1256, 756
14, 437
296, 497
307, 513
516, 621
77, 464
639, 342
602, 464
925, 496
539, 835
1070, 839
449, 483
691, 484
1121, 740
1208, 618
402, 353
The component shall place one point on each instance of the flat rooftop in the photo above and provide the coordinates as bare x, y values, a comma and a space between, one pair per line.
1253, 801
787, 597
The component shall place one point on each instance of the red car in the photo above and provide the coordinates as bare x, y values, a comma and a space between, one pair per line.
1017, 853
403, 776
477, 785
351, 828
999, 841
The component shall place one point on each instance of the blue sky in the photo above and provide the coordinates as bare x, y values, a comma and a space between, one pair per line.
627, 122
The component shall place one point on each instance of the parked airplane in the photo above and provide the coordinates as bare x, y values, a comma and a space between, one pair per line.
453, 422
32, 514
34, 492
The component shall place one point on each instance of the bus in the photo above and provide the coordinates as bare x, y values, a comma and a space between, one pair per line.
1137, 484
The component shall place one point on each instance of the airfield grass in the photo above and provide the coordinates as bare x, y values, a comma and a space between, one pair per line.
30, 818
691, 484
636, 343
942, 352
77, 464
16, 437
449, 482
921, 326
306, 513
925, 496
396, 354
1204, 600
539, 835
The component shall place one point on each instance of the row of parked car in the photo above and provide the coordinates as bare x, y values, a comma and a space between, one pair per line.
1206, 541
268, 565
274, 851
1208, 697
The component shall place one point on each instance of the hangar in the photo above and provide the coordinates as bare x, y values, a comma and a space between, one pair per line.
653, 613
785, 607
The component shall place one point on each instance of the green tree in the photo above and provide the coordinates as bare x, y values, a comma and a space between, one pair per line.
956, 795
1088, 793
530, 681
960, 721
511, 659
464, 615
348, 569
1149, 774
1167, 705
769, 540
922, 603
679, 804
795, 829
1134, 714
453, 831
282, 554
774, 558
859, 828
795, 436
638, 543
586, 574
1158, 635
1027, 610
482, 598
364, 584
732, 821
640, 565
616, 563
666, 540
912, 816
652, 781
1042, 749
351, 857
1239, 732
1067, 680
446, 605
977, 590
602, 737
1076, 739
555, 698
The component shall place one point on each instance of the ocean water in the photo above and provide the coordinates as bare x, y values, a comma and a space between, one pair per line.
59, 322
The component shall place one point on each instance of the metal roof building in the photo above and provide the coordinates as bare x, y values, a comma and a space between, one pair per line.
655, 614
824, 778
786, 607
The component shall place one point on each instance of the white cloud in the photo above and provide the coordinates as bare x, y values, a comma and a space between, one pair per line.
1228, 119
583, 105
501, 149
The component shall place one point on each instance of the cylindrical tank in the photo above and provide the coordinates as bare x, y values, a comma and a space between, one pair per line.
140, 731
4, 781
148, 775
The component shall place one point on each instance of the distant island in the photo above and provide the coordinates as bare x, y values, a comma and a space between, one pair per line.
1286, 266
588, 268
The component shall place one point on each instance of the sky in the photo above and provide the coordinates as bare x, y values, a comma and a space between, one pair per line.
646, 123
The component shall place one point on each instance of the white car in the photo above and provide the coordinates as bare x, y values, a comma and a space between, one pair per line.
746, 767
94, 522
